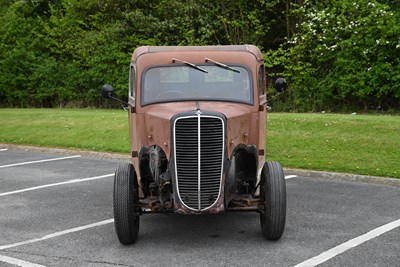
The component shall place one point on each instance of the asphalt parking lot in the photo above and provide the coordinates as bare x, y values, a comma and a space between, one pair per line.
56, 210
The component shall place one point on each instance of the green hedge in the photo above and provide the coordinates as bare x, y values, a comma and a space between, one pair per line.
336, 55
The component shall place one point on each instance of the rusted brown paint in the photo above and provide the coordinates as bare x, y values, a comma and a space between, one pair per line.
242, 121
145, 60
151, 124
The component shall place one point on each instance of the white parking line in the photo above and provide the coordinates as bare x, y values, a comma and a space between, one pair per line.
56, 184
57, 234
3, 149
18, 262
290, 176
38, 161
329, 254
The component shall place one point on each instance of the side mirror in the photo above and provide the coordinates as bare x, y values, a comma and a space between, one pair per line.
107, 91
280, 85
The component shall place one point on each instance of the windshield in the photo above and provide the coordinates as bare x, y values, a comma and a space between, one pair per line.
180, 83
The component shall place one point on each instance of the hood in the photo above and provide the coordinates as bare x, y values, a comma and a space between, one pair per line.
241, 128
167, 110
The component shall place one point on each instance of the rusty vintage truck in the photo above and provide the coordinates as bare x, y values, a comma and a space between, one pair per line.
197, 124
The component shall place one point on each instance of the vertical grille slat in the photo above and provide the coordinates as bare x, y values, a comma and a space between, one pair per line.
199, 173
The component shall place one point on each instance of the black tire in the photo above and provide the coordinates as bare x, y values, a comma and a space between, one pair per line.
126, 198
272, 200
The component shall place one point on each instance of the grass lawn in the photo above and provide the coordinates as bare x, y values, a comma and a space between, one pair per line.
92, 129
361, 144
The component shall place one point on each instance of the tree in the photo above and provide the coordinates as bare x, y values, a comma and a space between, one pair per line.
335, 54
344, 54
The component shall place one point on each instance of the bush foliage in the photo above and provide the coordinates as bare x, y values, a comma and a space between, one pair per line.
344, 55
336, 55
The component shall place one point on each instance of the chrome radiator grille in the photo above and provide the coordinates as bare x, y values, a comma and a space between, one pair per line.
199, 150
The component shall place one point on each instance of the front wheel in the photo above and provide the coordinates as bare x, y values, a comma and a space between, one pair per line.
272, 200
126, 198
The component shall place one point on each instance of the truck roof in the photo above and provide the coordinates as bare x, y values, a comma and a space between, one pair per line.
157, 49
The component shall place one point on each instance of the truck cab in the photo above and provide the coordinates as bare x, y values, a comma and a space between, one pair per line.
197, 122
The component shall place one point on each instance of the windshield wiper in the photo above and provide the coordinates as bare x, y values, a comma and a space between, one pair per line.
189, 64
219, 64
